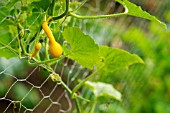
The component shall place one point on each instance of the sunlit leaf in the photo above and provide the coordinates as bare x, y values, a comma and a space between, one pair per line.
102, 89
83, 48
137, 11
114, 58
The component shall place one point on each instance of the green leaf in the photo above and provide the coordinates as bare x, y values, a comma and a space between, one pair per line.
3, 3
134, 10
11, 3
114, 58
43, 4
83, 48
7, 53
7, 43
4, 12
102, 89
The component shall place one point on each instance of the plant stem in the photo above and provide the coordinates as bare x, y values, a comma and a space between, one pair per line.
96, 17
66, 87
19, 38
77, 105
47, 61
36, 36
70, 92
49, 69
93, 106
11, 49
62, 15
53, 7
46, 48
33, 38
83, 81
19, 47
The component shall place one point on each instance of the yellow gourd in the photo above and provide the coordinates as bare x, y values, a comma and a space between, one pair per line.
55, 48
37, 48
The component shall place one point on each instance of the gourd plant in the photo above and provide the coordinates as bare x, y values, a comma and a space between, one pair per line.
77, 45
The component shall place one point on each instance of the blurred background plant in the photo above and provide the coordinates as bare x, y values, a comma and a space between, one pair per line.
144, 88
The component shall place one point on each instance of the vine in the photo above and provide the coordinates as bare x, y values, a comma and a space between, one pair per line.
79, 47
